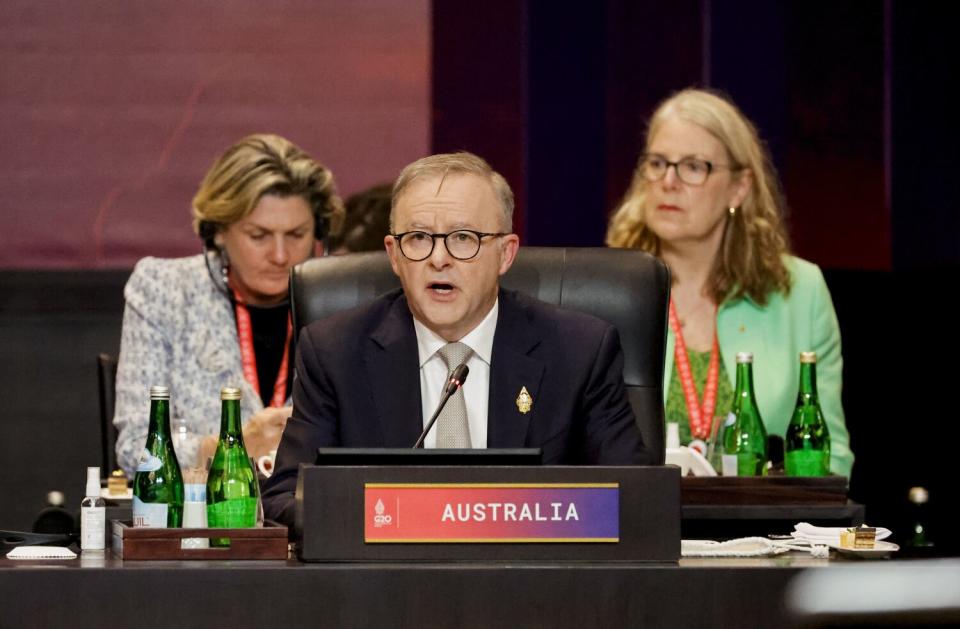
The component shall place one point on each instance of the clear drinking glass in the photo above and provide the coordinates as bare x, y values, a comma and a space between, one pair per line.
715, 442
186, 443
260, 516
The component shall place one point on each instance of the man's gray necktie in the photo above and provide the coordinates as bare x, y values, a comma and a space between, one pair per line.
453, 431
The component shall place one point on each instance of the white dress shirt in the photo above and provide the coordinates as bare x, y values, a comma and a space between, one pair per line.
476, 390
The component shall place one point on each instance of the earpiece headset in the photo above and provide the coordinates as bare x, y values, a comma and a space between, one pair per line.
208, 232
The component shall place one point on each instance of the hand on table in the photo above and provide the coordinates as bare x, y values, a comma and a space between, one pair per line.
261, 433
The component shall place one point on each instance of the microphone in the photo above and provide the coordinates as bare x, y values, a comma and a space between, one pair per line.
457, 377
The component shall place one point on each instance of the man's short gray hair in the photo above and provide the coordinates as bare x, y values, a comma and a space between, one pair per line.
456, 163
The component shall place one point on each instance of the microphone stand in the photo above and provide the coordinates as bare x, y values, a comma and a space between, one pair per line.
457, 378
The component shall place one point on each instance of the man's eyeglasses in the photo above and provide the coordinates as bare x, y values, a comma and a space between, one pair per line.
462, 244
690, 170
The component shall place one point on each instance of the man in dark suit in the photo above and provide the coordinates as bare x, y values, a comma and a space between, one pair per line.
540, 376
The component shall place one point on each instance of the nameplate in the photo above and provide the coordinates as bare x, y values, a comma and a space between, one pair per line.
420, 513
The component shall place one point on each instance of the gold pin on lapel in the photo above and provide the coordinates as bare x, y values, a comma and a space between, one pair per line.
524, 401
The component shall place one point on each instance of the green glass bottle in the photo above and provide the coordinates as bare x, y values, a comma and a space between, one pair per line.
745, 441
807, 443
233, 493
158, 484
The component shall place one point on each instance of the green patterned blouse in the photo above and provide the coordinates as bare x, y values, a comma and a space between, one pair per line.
676, 406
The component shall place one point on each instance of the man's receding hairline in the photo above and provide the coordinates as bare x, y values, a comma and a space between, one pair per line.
442, 176
489, 177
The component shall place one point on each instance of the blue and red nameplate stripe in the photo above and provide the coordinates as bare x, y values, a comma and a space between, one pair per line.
491, 513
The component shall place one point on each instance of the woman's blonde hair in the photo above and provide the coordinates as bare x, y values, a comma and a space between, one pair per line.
258, 165
754, 239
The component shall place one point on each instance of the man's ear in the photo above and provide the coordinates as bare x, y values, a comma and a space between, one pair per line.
390, 244
508, 252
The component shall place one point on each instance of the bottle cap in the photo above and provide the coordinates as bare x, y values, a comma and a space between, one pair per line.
93, 482
919, 495
229, 393
808, 357
744, 357
159, 393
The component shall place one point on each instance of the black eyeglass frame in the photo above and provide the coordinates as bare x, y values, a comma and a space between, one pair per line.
433, 242
676, 168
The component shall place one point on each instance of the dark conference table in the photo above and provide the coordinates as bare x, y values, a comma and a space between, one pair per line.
104, 591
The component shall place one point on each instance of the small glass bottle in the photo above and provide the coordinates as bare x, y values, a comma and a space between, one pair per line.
745, 441
807, 443
93, 514
233, 492
158, 484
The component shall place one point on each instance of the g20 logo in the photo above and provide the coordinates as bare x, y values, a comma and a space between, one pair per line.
381, 519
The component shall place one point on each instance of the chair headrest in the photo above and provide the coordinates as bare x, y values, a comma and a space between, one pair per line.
626, 287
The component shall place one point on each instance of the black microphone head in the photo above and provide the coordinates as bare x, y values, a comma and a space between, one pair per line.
457, 377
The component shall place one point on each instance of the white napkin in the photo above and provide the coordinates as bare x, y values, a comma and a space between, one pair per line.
742, 547
829, 535
41, 552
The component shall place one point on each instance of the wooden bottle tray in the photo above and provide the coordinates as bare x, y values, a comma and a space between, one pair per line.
267, 542
763, 490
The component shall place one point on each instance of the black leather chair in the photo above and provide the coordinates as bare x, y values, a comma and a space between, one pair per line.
107, 379
625, 287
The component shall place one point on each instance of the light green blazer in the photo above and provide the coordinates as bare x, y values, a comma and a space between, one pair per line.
776, 334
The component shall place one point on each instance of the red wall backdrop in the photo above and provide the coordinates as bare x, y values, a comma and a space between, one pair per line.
111, 112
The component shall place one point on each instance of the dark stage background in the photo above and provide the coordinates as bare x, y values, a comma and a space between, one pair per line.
110, 116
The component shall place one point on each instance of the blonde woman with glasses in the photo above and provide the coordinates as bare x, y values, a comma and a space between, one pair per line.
705, 199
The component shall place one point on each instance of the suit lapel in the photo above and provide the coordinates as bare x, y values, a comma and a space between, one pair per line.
511, 370
392, 364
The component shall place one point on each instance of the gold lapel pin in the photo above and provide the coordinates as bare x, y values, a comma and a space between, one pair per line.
524, 401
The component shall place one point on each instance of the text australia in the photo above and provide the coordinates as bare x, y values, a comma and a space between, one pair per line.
509, 512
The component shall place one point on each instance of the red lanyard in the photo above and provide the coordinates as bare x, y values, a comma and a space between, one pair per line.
249, 359
701, 416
